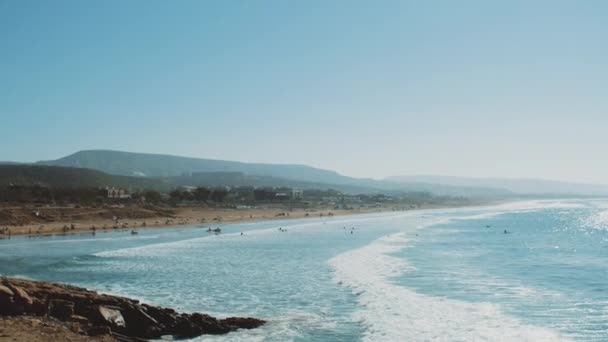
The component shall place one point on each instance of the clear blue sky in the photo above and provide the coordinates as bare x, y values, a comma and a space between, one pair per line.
373, 88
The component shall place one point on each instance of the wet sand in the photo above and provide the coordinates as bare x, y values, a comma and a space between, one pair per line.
189, 216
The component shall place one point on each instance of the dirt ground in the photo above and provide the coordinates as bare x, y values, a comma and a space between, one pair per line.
34, 329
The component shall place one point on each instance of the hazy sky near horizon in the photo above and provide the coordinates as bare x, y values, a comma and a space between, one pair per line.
366, 88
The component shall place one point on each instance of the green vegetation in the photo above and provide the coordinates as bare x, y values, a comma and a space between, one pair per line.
40, 194
69, 177
62, 185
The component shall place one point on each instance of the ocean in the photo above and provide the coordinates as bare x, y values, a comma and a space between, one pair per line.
429, 275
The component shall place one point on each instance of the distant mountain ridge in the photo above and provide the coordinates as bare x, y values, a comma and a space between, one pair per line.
69, 177
72, 177
161, 165
516, 186
181, 169
176, 170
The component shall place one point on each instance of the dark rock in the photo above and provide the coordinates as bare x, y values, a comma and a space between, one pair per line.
78, 319
21, 301
209, 324
21, 295
96, 314
186, 328
6, 300
60, 308
140, 323
243, 323
38, 308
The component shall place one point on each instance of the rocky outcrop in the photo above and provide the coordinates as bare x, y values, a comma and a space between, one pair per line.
95, 314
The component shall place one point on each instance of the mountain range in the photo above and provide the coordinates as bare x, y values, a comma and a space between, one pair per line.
160, 165
162, 171
516, 186
68, 177
196, 171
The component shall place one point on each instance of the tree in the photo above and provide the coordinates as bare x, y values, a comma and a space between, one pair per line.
201, 194
152, 196
180, 195
219, 195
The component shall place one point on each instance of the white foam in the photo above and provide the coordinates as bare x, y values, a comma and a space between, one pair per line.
113, 238
395, 313
598, 221
296, 226
159, 248
541, 204
301, 225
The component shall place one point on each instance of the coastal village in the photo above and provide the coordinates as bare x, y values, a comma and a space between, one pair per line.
37, 210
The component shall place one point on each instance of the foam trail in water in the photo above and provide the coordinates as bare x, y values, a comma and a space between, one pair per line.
295, 226
495, 210
395, 313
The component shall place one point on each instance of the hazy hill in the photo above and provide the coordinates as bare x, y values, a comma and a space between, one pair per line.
517, 186
163, 172
54, 176
71, 177
159, 165
208, 172
211, 179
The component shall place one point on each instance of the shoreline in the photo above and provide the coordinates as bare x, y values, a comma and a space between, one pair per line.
189, 216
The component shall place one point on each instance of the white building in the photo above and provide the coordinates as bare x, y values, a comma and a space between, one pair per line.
297, 193
117, 193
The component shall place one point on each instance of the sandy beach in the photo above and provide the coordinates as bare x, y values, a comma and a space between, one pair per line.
95, 220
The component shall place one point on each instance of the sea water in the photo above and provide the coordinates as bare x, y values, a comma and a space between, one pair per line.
435, 275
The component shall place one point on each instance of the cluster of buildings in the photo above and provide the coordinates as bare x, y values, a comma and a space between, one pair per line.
116, 193
249, 195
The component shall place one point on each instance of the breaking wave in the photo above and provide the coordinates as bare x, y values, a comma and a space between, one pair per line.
395, 313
